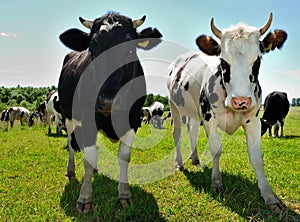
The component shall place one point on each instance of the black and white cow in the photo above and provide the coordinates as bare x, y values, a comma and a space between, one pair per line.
53, 108
18, 113
220, 87
41, 112
102, 88
276, 107
155, 109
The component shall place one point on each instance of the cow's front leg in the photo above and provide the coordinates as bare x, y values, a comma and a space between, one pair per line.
123, 160
84, 202
215, 151
193, 128
252, 131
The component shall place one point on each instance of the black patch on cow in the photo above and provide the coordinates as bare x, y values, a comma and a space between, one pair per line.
248, 121
212, 96
258, 90
74, 143
257, 113
225, 67
22, 114
186, 86
177, 96
207, 117
255, 70
178, 75
205, 106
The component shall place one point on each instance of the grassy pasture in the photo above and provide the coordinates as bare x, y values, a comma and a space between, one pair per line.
33, 186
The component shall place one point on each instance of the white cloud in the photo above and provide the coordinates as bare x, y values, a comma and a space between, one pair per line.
8, 35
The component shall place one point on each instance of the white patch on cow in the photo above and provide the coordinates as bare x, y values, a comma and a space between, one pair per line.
107, 26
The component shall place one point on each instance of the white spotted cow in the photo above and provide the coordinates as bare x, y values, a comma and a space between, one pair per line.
220, 87
53, 108
18, 113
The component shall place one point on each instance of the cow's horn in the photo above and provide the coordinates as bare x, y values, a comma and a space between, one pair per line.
263, 29
214, 29
138, 22
86, 23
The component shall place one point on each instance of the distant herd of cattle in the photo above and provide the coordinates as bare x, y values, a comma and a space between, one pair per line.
218, 88
276, 107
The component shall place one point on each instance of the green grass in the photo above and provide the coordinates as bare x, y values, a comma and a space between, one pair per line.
33, 186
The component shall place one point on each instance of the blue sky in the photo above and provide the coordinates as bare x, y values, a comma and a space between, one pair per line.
31, 53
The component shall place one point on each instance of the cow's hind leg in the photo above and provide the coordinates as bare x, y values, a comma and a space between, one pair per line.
177, 135
281, 127
193, 129
123, 160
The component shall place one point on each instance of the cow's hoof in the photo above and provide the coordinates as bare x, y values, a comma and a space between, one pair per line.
218, 189
125, 203
83, 208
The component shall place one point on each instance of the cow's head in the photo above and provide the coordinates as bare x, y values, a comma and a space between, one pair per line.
265, 125
117, 34
240, 52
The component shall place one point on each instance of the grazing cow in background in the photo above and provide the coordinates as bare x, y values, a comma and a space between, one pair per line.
220, 87
41, 111
276, 107
53, 108
156, 109
110, 93
18, 113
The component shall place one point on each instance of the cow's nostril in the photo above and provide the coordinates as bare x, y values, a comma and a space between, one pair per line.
241, 103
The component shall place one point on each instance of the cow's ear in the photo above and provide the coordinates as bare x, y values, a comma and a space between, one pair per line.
208, 45
273, 41
149, 38
75, 39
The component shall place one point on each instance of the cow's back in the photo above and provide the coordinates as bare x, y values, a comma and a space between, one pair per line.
73, 67
276, 106
186, 79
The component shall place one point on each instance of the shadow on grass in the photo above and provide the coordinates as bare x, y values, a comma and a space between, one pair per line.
290, 137
241, 196
55, 135
105, 202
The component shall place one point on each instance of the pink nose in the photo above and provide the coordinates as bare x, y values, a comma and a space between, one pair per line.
241, 102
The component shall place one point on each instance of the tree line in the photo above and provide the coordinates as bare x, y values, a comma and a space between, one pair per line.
30, 97
295, 102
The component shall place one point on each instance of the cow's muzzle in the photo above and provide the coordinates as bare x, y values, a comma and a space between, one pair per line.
241, 102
